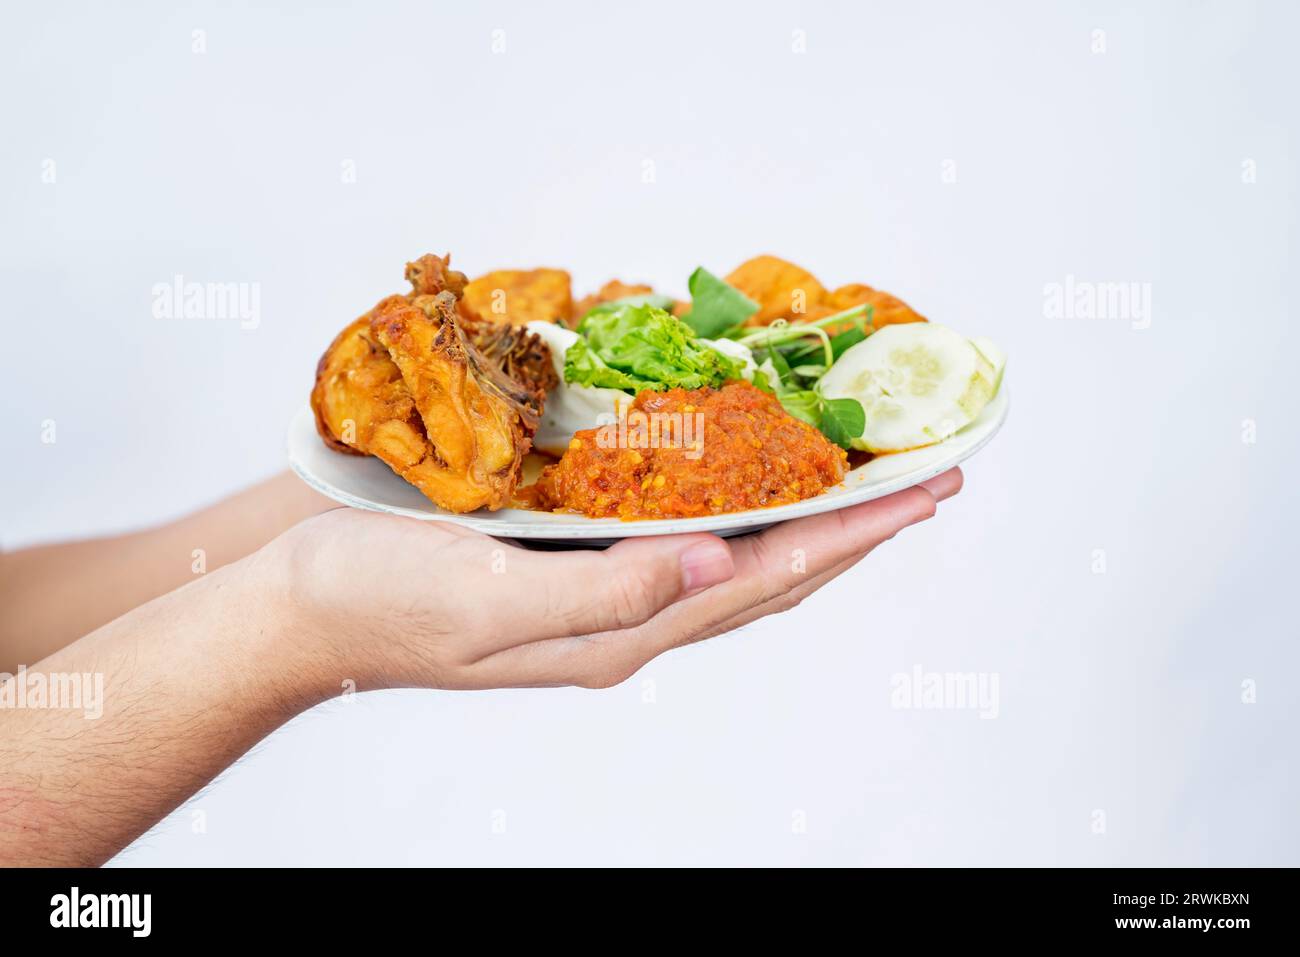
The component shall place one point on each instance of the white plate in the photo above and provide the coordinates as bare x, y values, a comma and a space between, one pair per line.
369, 483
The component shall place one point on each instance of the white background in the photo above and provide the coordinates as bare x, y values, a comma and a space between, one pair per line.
1120, 692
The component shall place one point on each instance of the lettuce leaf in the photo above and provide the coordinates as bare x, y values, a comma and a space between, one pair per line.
637, 347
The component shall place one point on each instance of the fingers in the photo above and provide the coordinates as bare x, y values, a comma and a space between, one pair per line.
942, 487
602, 661
585, 593
681, 621
783, 557
945, 485
786, 602
767, 580
555, 595
773, 571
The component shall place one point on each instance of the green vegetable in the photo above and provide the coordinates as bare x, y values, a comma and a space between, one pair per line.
716, 307
637, 347
839, 343
635, 343
843, 420
784, 348
809, 360
803, 404
780, 364
840, 420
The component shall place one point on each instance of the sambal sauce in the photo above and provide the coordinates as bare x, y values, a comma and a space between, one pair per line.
679, 454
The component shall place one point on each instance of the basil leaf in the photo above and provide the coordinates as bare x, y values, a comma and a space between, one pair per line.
843, 420
716, 307
803, 404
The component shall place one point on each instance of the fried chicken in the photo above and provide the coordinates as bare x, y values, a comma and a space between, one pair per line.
449, 405
358, 389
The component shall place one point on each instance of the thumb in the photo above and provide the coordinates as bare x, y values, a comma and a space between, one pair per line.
557, 595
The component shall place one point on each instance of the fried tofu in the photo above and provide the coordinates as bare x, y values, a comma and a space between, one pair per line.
886, 309
786, 291
519, 296
781, 289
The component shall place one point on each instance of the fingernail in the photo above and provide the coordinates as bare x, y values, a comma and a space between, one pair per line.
705, 564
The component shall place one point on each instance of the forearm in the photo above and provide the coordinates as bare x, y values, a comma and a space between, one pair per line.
190, 682
56, 593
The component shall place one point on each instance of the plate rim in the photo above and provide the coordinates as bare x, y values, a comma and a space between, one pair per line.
579, 527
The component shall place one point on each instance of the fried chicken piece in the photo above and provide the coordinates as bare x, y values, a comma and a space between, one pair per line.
522, 355
430, 275
407, 383
519, 296
781, 289
478, 422
358, 389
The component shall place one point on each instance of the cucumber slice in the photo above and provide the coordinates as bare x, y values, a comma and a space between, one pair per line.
918, 383
989, 350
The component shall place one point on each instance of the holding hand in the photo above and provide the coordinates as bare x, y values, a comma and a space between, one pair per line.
194, 678
394, 602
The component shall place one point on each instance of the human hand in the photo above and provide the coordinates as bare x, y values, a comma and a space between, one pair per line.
394, 602
196, 677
